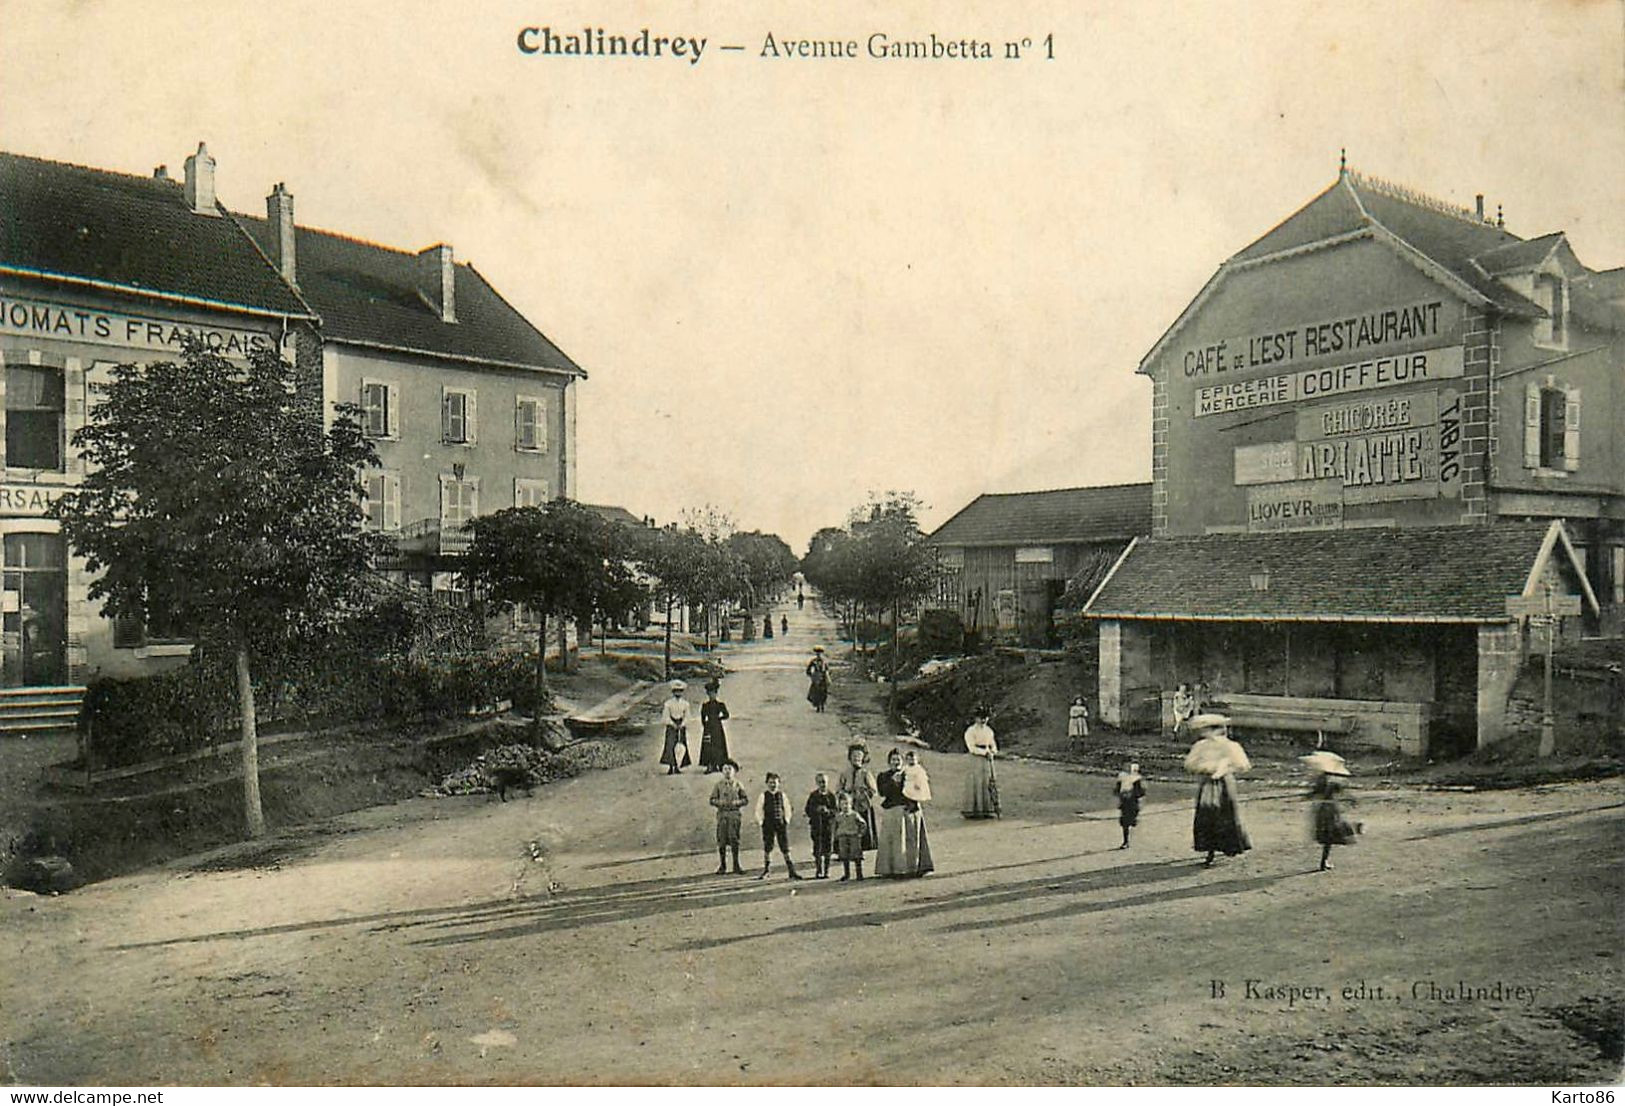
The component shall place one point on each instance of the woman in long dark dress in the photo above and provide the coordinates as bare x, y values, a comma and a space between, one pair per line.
1331, 826
767, 626
713, 739
818, 679
1217, 827
903, 849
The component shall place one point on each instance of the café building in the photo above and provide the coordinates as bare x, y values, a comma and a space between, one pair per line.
1372, 427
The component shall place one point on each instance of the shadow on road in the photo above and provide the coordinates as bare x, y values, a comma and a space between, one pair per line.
1522, 820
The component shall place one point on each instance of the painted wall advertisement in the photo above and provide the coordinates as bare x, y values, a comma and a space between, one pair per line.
1369, 450
1298, 505
30, 318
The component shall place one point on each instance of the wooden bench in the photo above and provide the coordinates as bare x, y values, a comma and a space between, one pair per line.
1285, 717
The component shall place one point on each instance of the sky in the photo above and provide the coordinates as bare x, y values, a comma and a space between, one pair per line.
796, 281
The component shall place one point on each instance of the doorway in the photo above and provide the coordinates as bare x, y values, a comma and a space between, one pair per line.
35, 611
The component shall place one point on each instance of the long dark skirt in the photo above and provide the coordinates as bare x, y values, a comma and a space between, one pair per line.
1128, 812
1331, 827
714, 748
818, 693
1218, 826
676, 747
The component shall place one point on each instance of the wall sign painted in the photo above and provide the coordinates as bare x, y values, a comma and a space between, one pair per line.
1360, 376
29, 318
1336, 337
1300, 505
29, 499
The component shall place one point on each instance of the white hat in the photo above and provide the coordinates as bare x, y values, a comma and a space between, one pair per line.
1208, 721
679, 685
1325, 761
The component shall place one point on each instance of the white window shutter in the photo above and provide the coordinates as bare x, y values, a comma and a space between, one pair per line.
518, 436
445, 500
370, 505
468, 417
1531, 426
1571, 429
392, 426
392, 501
541, 424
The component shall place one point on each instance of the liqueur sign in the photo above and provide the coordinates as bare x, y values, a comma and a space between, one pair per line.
1444, 363
1299, 505
42, 319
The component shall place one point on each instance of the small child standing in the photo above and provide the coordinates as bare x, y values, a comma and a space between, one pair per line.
1129, 789
849, 830
821, 822
1077, 719
729, 799
773, 815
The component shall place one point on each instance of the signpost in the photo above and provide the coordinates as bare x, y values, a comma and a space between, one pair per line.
1545, 610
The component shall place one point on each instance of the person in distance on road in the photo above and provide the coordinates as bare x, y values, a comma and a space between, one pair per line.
1129, 789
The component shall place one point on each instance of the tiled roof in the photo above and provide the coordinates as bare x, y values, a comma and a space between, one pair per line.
615, 514
1059, 517
137, 233
1437, 573
368, 294
1516, 256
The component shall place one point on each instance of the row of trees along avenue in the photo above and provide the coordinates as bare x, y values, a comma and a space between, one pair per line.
255, 541
878, 564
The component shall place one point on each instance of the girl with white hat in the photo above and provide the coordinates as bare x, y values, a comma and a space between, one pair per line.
674, 755
1327, 795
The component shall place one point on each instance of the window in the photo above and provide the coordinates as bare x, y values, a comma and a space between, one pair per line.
530, 425
457, 416
1552, 293
1035, 555
36, 405
450, 589
379, 418
382, 507
529, 493
162, 626
459, 501
1551, 430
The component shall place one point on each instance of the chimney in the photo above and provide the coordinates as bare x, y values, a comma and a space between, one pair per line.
1480, 205
279, 217
1500, 219
437, 280
200, 182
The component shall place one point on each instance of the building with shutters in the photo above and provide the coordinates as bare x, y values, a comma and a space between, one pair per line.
472, 408
1369, 428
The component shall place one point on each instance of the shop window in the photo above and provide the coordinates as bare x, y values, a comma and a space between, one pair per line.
36, 407
529, 493
530, 425
1552, 293
1551, 427
379, 419
382, 506
457, 417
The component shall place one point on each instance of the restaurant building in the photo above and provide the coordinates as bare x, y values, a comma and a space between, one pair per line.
471, 407
1370, 428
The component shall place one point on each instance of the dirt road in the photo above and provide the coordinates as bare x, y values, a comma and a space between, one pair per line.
425, 943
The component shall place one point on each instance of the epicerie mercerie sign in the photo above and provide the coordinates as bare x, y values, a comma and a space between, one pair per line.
1405, 447
1444, 363
29, 318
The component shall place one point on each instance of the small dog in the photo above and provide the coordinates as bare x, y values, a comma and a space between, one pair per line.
507, 776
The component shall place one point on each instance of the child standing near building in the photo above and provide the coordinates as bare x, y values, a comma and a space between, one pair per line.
850, 827
820, 812
729, 798
1077, 719
1129, 789
773, 815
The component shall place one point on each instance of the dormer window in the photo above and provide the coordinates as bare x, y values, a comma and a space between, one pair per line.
1552, 293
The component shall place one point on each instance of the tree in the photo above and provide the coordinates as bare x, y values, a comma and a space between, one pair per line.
557, 560
767, 561
213, 495
675, 560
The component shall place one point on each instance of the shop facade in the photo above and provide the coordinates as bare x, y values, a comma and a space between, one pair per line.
1380, 376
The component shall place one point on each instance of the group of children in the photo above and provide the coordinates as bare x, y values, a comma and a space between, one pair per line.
837, 829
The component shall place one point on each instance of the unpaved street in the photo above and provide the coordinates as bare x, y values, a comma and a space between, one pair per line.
423, 943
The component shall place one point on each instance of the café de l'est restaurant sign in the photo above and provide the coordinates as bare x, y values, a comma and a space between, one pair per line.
44, 319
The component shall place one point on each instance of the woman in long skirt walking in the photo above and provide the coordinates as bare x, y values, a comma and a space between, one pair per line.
713, 738
1218, 827
818, 679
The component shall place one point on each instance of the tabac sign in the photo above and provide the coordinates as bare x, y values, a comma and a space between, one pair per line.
42, 319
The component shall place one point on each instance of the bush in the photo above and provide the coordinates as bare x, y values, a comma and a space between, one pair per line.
192, 708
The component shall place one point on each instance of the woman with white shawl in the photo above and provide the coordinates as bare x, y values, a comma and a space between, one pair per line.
674, 754
1218, 827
